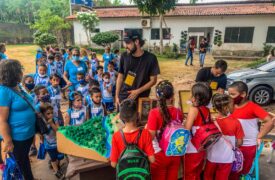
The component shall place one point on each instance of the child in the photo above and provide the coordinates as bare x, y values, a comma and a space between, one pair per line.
94, 63
51, 65
41, 78
94, 104
55, 94
164, 167
49, 139
82, 85
77, 113
92, 84
194, 160
59, 64
116, 59
107, 89
42, 95
221, 155
248, 113
112, 72
84, 56
99, 73
128, 114
28, 85
42, 60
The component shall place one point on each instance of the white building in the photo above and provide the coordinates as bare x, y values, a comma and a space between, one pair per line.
242, 25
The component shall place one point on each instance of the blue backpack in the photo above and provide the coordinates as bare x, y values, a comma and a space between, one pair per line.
12, 170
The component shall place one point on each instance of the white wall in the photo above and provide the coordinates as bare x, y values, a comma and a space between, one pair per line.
178, 24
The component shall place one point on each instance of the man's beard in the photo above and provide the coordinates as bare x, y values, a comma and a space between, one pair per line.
132, 51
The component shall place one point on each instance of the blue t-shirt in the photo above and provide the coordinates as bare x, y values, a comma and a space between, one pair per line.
51, 69
59, 68
85, 59
84, 90
55, 93
95, 110
21, 116
72, 70
107, 58
3, 56
94, 65
41, 81
107, 97
77, 117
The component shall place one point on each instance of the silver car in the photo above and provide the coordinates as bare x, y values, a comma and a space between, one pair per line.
260, 81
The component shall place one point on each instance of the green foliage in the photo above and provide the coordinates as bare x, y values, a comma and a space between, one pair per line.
218, 38
103, 3
267, 48
95, 134
105, 38
254, 64
43, 39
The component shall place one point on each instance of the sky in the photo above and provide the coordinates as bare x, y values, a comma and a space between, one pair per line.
187, 1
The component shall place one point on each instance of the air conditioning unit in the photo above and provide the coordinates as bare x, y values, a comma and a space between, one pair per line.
146, 23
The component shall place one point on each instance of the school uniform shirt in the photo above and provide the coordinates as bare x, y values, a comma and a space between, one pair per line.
55, 93
249, 116
155, 121
51, 69
50, 138
144, 143
106, 95
94, 65
231, 130
77, 117
98, 78
41, 81
197, 123
107, 58
3, 56
59, 68
83, 89
113, 76
72, 70
95, 110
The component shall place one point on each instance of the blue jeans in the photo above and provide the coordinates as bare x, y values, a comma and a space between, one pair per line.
202, 57
189, 55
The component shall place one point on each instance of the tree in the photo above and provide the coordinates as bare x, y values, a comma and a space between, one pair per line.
43, 39
105, 38
103, 3
156, 8
89, 21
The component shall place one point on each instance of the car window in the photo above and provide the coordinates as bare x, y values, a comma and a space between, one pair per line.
267, 66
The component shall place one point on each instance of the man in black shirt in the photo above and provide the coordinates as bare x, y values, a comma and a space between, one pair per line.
214, 76
203, 47
138, 70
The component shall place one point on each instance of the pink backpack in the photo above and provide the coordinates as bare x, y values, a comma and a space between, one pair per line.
174, 139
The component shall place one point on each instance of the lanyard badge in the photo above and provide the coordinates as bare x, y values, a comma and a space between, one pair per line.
130, 78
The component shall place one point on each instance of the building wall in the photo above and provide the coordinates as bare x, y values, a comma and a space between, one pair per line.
178, 24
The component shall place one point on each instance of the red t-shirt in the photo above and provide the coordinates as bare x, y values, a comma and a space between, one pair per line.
144, 143
199, 120
231, 127
248, 116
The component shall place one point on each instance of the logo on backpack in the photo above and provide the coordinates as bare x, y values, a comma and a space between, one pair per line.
133, 162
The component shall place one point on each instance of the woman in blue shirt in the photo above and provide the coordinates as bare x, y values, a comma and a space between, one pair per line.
72, 68
107, 57
17, 118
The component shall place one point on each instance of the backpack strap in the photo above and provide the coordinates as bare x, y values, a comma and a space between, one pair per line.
138, 136
226, 140
123, 137
202, 116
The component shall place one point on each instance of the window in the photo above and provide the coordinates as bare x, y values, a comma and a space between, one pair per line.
138, 30
155, 34
270, 38
239, 35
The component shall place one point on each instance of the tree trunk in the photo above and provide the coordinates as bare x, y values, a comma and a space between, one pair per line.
160, 34
88, 37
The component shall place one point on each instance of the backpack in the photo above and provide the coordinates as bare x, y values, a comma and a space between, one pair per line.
12, 170
207, 135
174, 139
133, 163
237, 165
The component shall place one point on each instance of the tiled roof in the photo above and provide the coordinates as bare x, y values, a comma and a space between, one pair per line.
192, 10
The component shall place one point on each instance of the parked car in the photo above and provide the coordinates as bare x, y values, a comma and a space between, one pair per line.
260, 81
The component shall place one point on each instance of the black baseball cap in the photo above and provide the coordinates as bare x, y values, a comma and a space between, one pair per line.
131, 35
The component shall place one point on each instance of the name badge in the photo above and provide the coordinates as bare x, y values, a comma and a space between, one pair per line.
58, 97
75, 115
130, 78
80, 69
94, 110
214, 85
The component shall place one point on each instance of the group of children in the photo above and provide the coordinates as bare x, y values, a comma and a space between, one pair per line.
92, 96
237, 120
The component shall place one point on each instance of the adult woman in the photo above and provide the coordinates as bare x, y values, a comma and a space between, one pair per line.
17, 118
271, 56
3, 56
72, 68
107, 57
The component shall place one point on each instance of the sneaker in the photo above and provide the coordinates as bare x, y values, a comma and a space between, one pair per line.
59, 175
191, 64
33, 151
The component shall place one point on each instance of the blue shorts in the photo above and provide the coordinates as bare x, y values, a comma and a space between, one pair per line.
62, 83
53, 153
110, 106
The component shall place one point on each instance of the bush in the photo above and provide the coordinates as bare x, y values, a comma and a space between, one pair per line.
254, 64
105, 38
267, 48
44, 39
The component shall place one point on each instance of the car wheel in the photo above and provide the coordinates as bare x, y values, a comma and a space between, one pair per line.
261, 95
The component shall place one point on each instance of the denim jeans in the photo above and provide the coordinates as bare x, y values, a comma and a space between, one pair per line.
202, 57
189, 55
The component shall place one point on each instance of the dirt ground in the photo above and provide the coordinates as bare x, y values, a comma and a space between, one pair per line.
174, 70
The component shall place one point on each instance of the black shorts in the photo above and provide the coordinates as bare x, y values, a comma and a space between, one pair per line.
53, 153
